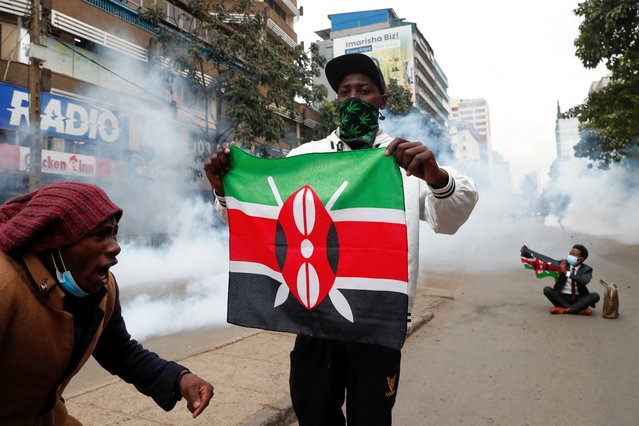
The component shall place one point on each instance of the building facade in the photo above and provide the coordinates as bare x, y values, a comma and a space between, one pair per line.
106, 116
475, 112
465, 141
567, 135
399, 48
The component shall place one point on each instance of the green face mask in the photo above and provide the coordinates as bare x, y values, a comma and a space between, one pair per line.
359, 123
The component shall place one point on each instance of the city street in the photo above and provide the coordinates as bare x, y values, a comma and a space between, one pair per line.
494, 354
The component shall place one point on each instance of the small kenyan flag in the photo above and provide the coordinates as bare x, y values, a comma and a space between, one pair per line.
542, 265
317, 245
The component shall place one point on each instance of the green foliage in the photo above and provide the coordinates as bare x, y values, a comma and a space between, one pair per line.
255, 76
609, 33
399, 99
329, 120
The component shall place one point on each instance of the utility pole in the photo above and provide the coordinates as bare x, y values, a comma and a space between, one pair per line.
35, 64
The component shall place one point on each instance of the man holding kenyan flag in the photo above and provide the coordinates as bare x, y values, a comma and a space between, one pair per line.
569, 294
324, 368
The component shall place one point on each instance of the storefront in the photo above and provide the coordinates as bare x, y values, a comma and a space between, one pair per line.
80, 141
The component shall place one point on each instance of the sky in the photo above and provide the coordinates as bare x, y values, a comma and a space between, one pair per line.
519, 56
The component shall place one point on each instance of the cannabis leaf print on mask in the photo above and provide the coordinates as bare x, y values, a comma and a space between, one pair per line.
359, 122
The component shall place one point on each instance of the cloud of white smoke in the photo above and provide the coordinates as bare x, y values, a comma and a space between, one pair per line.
181, 285
597, 202
600, 202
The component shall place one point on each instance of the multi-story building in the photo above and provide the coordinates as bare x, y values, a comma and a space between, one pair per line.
599, 84
567, 135
464, 141
105, 115
568, 129
400, 49
475, 112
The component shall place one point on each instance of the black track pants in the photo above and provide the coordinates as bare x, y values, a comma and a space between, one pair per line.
323, 371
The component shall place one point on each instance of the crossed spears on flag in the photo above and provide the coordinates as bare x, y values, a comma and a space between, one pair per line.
306, 282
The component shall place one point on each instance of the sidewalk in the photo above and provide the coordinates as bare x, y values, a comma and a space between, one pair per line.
250, 376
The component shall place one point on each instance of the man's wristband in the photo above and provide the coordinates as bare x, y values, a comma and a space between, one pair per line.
220, 198
182, 374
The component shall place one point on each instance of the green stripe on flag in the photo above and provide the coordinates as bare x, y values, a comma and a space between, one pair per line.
552, 274
380, 187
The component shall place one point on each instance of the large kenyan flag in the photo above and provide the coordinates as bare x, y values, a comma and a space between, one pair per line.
318, 245
542, 265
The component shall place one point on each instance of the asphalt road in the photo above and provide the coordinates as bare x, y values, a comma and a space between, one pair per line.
494, 355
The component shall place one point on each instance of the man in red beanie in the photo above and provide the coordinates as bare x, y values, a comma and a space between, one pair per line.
59, 304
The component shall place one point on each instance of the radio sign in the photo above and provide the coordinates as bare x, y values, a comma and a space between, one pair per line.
60, 117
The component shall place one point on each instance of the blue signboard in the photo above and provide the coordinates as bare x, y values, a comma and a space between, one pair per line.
61, 117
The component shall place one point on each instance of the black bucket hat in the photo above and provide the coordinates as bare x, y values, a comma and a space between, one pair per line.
354, 63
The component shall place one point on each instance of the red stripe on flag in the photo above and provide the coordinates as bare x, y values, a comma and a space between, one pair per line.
372, 250
248, 237
366, 249
529, 262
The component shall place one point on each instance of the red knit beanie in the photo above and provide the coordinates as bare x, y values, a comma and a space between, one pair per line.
54, 216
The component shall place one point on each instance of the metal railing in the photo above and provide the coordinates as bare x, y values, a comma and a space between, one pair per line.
123, 12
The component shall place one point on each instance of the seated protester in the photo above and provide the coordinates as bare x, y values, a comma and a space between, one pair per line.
570, 294
59, 304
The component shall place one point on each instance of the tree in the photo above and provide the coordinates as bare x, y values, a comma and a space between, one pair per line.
226, 54
609, 33
400, 100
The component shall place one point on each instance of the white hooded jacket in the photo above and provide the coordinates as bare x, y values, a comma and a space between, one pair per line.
445, 209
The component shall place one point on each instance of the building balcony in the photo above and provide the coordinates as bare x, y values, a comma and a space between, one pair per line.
277, 24
16, 7
289, 6
127, 11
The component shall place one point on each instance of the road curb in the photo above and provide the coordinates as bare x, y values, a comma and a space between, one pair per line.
281, 412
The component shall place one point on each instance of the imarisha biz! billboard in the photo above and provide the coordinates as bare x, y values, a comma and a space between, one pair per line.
391, 48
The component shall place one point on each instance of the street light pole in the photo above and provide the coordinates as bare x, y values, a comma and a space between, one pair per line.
35, 64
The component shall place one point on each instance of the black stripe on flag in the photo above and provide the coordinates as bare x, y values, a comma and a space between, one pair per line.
379, 316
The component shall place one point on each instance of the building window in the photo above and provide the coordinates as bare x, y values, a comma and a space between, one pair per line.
277, 9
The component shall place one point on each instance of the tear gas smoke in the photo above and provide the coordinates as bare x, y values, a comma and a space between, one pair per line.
595, 202
173, 268
598, 202
182, 285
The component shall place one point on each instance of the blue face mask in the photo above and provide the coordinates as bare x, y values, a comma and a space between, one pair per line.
66, 279
572, 260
